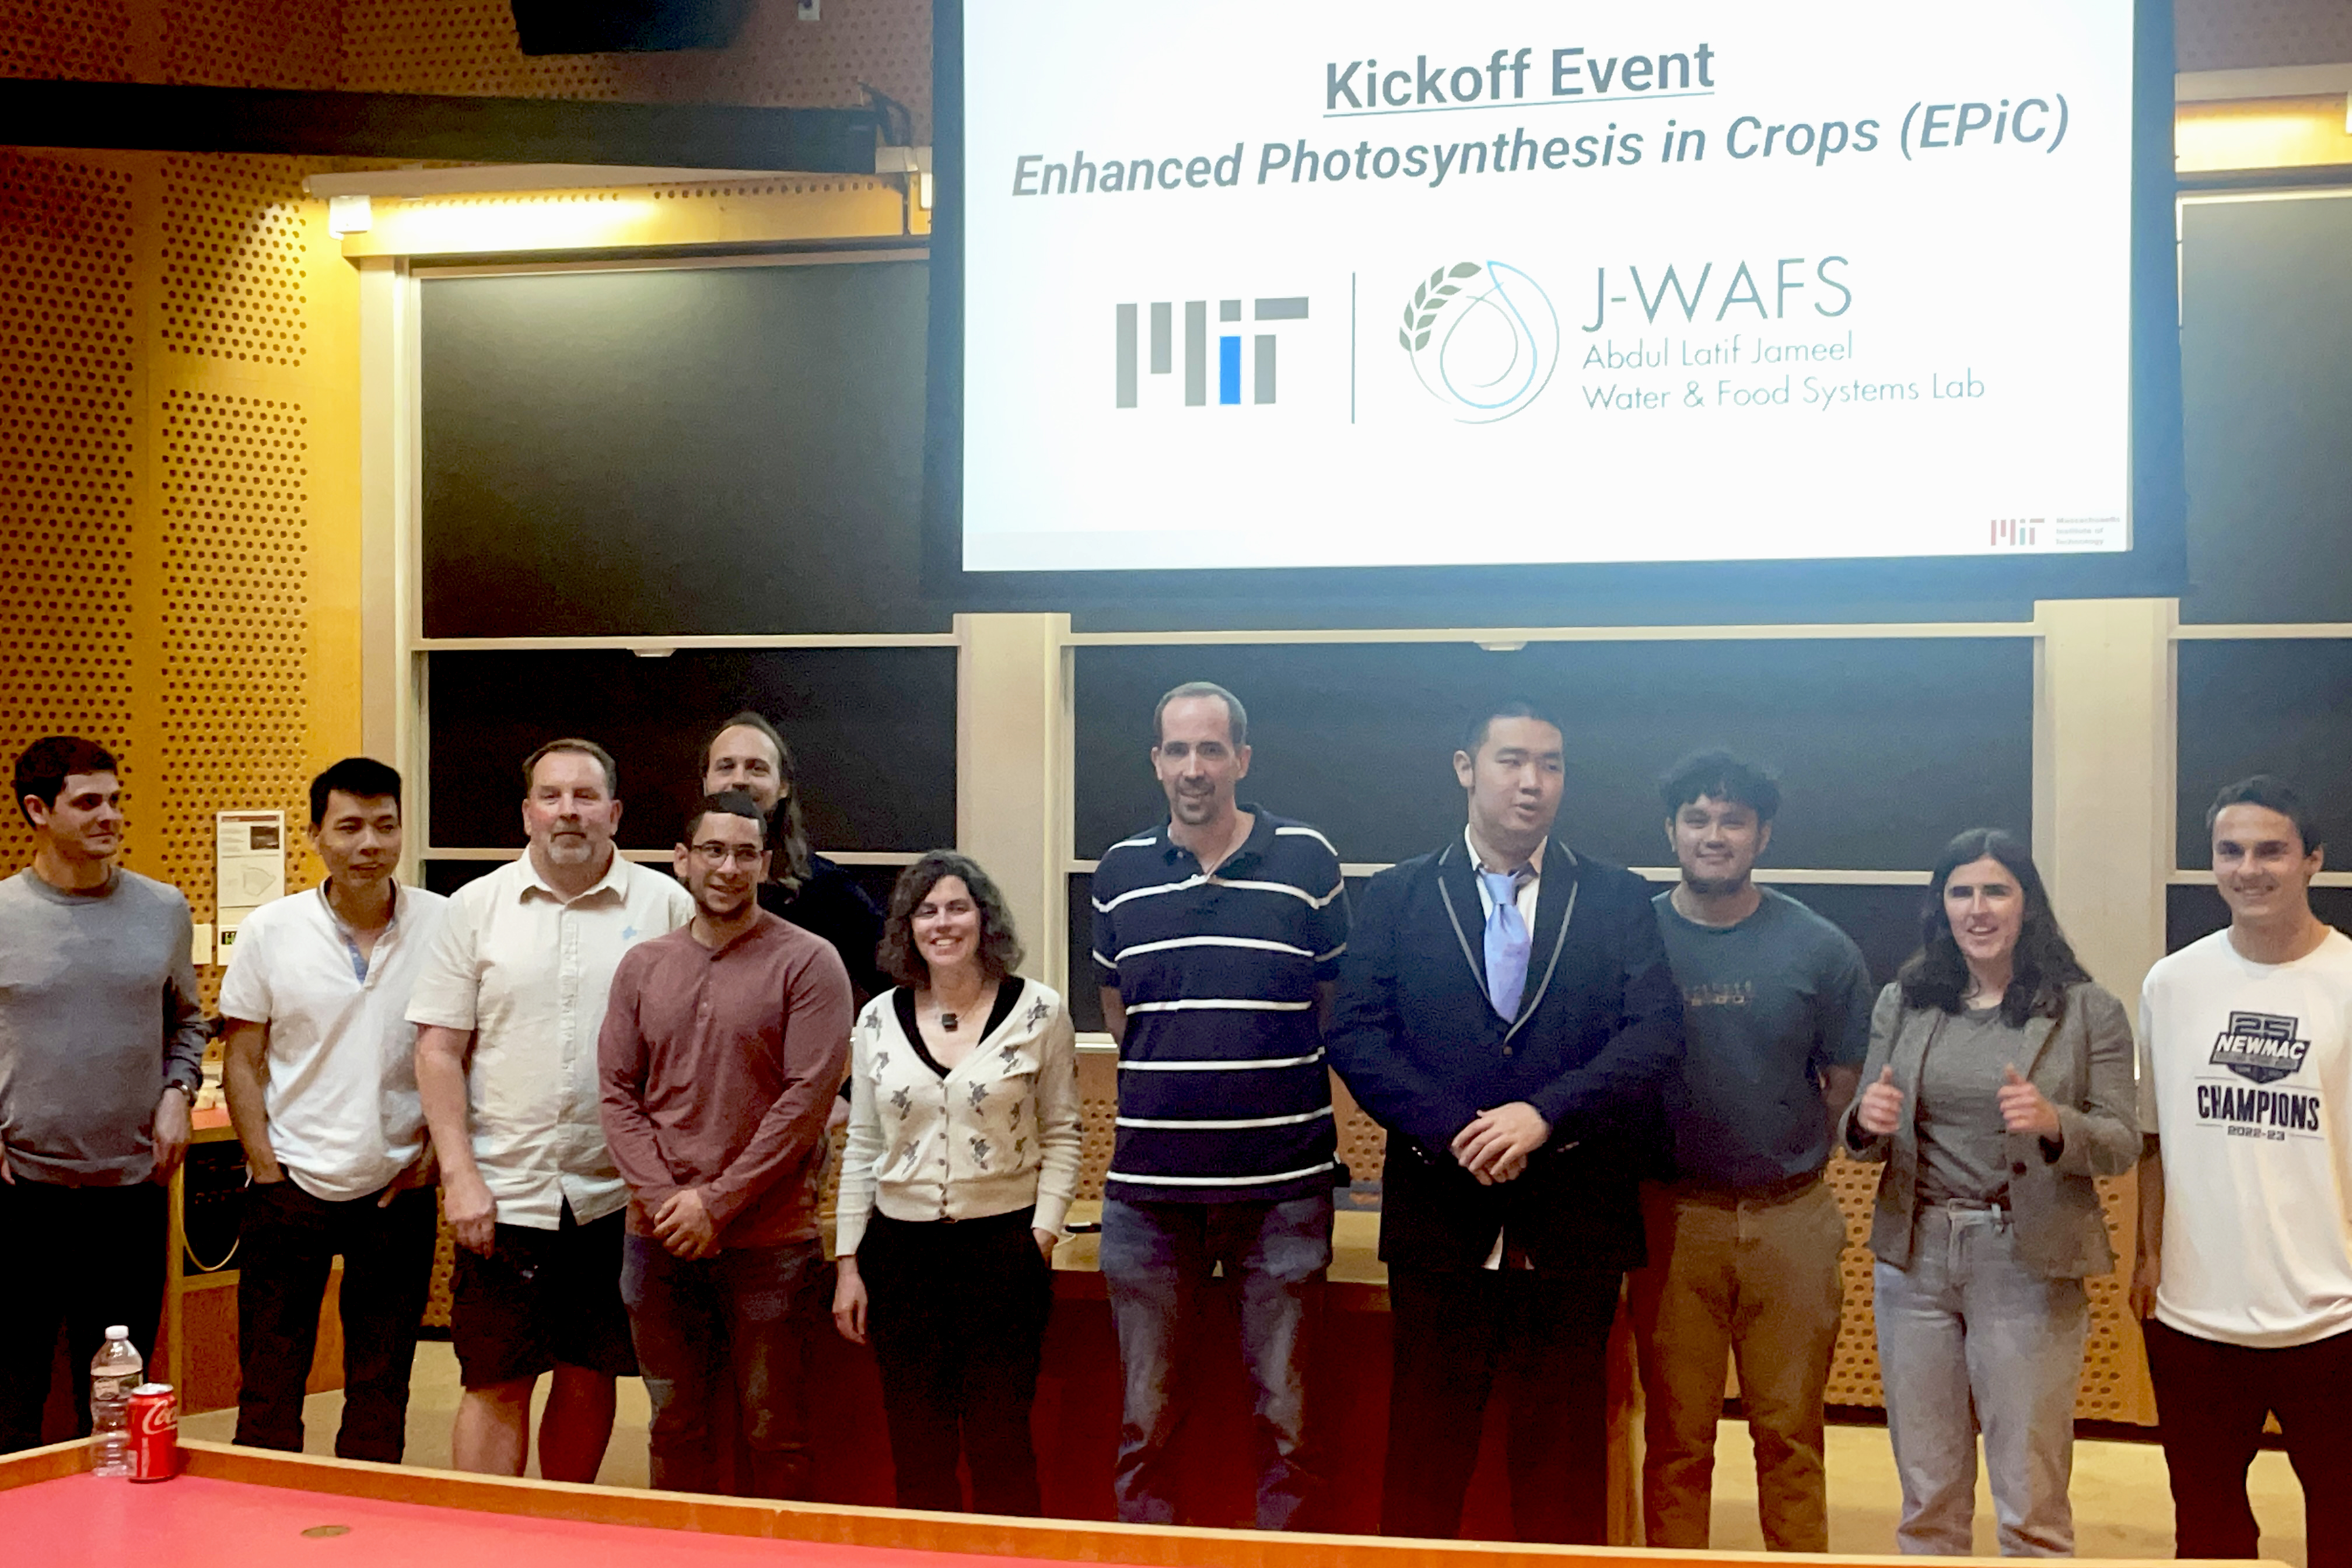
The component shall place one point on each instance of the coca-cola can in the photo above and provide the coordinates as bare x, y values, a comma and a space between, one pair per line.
153, 1446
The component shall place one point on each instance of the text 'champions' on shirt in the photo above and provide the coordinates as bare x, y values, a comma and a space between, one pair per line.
2245, 1077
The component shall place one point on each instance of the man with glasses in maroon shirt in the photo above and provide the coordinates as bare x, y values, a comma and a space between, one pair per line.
723, 1046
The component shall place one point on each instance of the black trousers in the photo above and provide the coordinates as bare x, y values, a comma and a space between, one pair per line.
288, 1244
2211, 1399
957, 1313
1545, 1338
83, 1257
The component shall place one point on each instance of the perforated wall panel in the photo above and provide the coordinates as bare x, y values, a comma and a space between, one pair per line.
252, 43
1854, 1370
230, 483
79, 40
1098, 1111
158, 388
66, 438
233, 260
2236, 35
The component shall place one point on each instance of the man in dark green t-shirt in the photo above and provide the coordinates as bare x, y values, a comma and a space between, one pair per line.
1744, 1243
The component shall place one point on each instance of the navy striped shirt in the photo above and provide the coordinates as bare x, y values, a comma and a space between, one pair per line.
1223, 1093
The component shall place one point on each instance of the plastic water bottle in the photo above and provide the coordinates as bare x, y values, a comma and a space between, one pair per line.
113, 1373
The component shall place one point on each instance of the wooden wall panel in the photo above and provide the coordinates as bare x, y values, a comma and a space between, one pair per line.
68, 431
179, 401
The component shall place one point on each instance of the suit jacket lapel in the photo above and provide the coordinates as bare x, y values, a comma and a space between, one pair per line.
2038, 1033
1554, 911
1458, 888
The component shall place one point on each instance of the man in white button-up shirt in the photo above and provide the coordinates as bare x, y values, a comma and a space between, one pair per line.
508, 1009
321, 1075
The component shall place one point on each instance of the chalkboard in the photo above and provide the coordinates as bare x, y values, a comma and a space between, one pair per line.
2265, 344
1886, 747
2275, 706
2192, 910
721, 450
873, 731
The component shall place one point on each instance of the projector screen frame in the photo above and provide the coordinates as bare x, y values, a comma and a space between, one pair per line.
2154, 566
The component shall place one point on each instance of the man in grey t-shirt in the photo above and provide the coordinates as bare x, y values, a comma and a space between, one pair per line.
1744, 1244
101, 1042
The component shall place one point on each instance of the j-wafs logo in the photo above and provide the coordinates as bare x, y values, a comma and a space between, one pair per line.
1128, 363
2261, 1047
1483, 339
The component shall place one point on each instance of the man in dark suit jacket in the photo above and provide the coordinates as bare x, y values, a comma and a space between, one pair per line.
1506, 1012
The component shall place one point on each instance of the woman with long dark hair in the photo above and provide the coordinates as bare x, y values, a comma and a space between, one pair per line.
964, 1153
1998, 1087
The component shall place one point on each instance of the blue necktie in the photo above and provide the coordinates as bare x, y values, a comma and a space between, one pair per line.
1507, 941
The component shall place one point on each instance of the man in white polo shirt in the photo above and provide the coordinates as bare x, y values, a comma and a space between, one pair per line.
320, 1069
508, 1010
2246, 1235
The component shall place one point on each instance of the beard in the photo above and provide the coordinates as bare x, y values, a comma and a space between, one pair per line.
1714, 887
571, 850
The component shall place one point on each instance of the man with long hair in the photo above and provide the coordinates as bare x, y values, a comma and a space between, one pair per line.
748, 754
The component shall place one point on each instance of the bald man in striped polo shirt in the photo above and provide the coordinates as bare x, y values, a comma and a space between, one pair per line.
1216, 936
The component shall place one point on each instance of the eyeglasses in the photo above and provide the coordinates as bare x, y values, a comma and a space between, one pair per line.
718, 855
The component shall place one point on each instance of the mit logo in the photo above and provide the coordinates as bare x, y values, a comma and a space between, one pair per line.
2015, 532
2261, 1047
1196, 349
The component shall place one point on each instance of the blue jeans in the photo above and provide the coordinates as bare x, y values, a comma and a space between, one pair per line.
740, 1313
1970, 1339
1156, 1256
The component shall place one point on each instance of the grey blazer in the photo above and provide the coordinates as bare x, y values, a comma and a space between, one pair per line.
2082, 1060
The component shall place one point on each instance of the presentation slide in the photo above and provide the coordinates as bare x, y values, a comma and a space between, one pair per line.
1331, 284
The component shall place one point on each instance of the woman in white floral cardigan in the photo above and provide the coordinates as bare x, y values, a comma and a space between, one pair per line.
962, 1155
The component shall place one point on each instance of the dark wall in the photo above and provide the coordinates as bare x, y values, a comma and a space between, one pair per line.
721, 450
2275, 706
2266, 372
1886, 747
2191, 912
873, 731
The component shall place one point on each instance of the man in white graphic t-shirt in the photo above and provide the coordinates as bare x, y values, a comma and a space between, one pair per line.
2244, 1274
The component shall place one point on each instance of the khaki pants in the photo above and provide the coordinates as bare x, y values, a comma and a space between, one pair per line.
1756, 1280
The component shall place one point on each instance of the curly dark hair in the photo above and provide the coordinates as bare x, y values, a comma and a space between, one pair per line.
2044, 963
1000, 949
